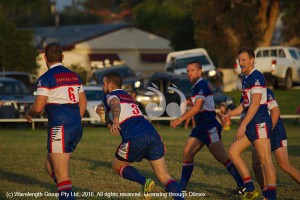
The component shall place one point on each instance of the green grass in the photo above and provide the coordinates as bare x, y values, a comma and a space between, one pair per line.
23, 154
288, 101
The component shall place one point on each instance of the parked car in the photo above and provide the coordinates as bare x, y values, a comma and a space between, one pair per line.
131, 80
165, 80
280, 65
15, 98
177, 61
94, 95
28, 79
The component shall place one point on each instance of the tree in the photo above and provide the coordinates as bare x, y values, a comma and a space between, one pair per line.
220, 31
182, 36
268, 12
223, 27
291, 21
27, 13
17, 52
160, 17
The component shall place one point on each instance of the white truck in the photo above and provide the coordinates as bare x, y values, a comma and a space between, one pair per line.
279, 64
177, 61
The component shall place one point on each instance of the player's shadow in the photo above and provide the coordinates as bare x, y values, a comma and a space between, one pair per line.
99, 163
207, 168
27, 180
95, 163
211, 189
23, 179
207, 188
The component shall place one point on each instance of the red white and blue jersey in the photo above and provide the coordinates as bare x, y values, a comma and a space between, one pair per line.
272, 103
252, 84
278, 134
131, 120
62, 87
206, 114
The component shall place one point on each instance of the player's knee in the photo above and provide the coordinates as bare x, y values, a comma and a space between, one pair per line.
285, 167
231, 153
266, 164
263, 161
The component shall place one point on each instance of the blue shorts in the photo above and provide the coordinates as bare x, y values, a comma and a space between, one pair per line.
256, 131
63, 139
208, 134
148, 146
278, 137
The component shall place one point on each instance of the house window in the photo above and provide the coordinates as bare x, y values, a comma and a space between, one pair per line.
153, 57
104, 56
100, 60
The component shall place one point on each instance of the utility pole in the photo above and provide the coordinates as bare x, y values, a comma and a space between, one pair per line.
55, 13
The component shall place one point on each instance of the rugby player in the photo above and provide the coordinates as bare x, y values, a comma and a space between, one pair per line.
256, 126
207, 131
60, 92
278, 146
139, 139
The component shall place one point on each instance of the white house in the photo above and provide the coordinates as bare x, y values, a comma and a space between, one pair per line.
101, 45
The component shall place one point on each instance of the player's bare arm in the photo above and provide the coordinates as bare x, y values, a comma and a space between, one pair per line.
235, 112
275, 114
190, 113
115, 107
254, 105
82, 103
36, 108
100, 109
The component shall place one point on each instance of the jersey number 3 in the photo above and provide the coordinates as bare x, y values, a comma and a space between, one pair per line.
71, 94
136, 109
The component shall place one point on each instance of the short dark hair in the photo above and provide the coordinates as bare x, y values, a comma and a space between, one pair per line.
247, 50
114, 78
197, 63
53, 52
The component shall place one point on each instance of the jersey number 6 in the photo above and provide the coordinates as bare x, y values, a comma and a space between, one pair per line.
71, 94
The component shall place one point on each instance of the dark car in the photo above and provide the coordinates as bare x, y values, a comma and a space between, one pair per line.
131, 81
27, 78
15, 98
165, 82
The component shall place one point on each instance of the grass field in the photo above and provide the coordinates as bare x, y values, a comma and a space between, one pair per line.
23, 153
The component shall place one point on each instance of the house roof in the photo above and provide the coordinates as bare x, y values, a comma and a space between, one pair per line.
69, 35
